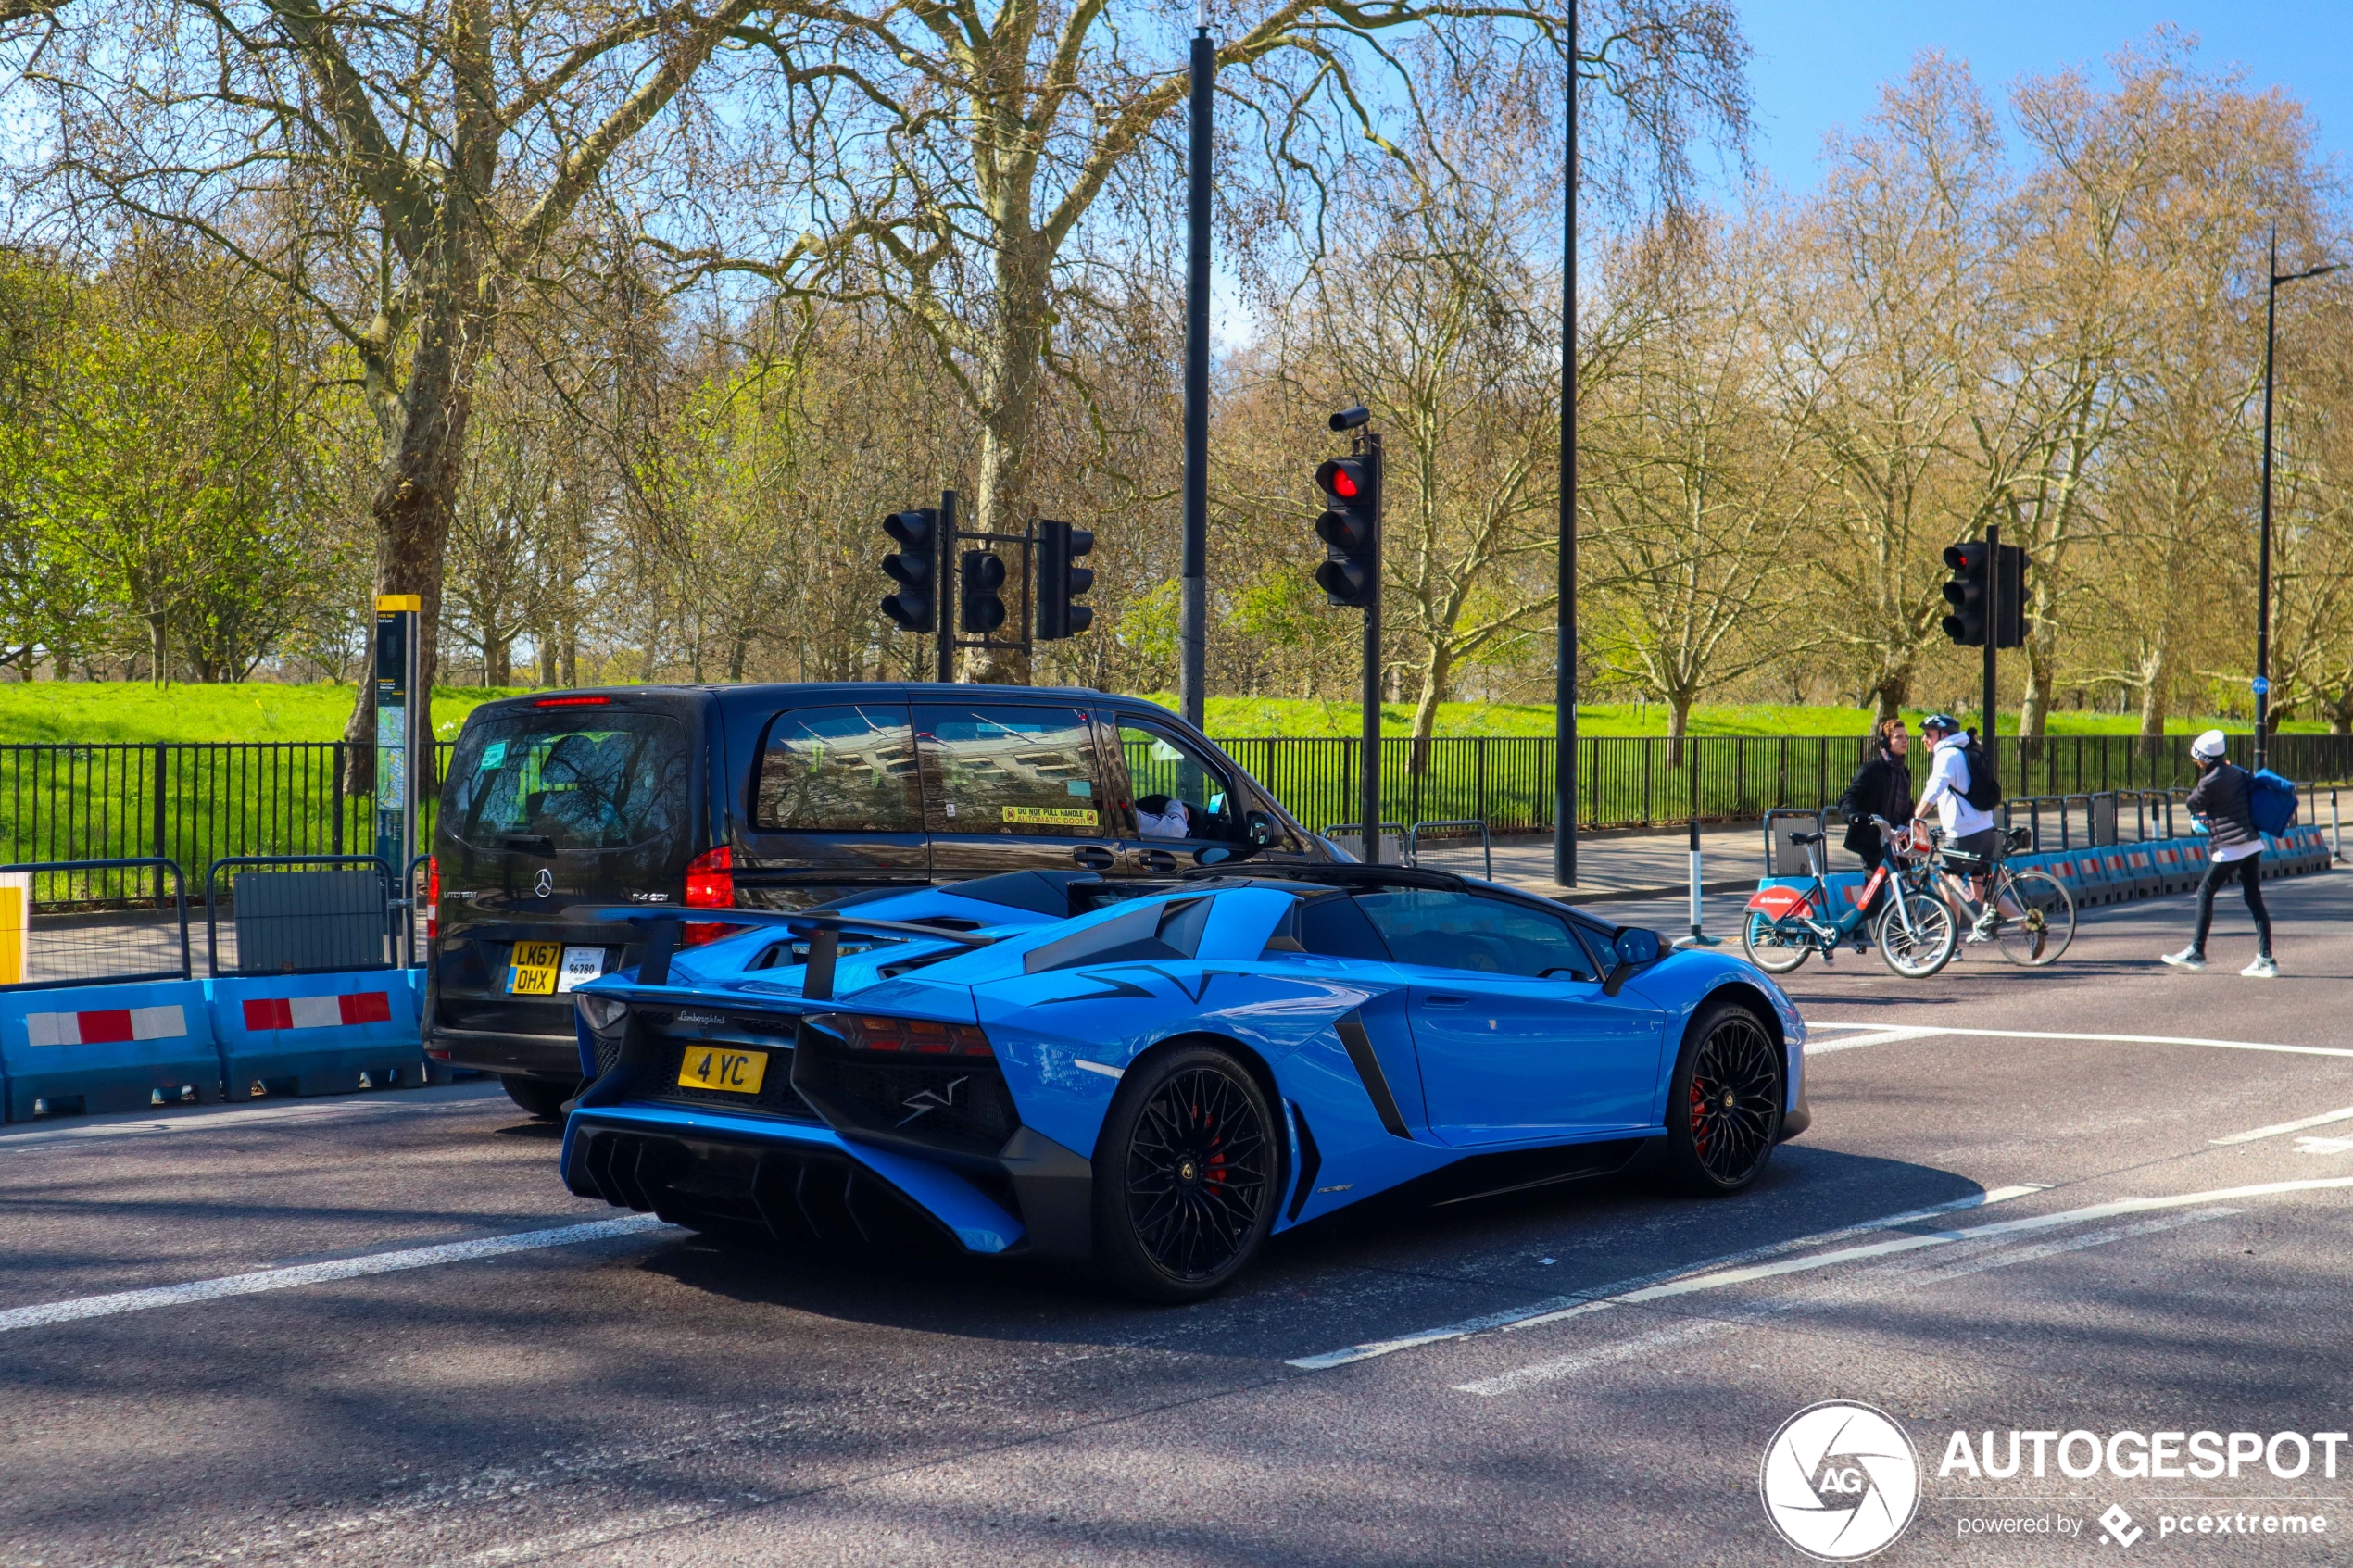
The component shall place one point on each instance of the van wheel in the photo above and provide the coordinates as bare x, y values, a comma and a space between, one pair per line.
1724, 1106
542, 1099
1184, 1175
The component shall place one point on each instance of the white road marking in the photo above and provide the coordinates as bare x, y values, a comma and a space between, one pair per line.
1098, 1066
2310, 1144
1885, 1034
81, 1307
1592, 1299
2323, 1120
238, 1115
1693, 1329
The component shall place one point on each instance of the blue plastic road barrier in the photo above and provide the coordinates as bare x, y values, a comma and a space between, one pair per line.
95, 1049
317, 1033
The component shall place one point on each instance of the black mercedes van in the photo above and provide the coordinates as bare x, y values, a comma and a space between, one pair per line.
715, 796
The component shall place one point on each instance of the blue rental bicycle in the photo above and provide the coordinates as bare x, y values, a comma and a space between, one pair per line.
1916, 935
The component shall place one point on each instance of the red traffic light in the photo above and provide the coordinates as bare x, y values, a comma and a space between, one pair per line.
1343, 477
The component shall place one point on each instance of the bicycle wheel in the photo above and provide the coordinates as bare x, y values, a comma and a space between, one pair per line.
1920, 948
1762, 941
2045, 923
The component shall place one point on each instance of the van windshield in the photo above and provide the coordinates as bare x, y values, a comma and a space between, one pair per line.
593, 779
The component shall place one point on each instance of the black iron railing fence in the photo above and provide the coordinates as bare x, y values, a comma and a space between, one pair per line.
196, 804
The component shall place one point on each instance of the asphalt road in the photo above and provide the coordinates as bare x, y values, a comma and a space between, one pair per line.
1589, 1374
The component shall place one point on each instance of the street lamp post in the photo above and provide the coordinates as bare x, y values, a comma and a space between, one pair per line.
2263, 550
1565, 623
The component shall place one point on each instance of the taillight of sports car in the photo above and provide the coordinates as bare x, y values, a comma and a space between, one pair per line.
903, 1036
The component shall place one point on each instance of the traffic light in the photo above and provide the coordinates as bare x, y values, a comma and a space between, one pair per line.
1060, 581
916, 605
2010, 602
984, 610
1349, 529
1966, 593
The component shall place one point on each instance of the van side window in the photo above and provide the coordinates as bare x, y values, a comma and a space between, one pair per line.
1017, 770
1178, 792
839, 769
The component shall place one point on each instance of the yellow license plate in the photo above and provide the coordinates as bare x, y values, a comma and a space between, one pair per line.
738, 1073
531, 970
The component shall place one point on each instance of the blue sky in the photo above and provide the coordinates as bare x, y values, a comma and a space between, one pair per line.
1820, 63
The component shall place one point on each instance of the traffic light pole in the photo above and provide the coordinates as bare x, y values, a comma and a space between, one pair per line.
1369, 778
1992, 626
947, 542
1193, 631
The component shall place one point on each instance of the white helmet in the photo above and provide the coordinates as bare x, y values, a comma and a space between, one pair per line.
2207, 748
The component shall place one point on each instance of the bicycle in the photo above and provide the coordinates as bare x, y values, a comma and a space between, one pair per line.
1916, 935
2033, 913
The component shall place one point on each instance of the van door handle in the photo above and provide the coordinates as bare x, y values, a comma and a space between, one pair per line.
1444, 1001
1156, 859
1094, 857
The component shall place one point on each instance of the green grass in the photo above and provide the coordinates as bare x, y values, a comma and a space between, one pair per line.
254, 710
135, 711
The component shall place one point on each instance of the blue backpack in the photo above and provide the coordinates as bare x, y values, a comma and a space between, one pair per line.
2271, 801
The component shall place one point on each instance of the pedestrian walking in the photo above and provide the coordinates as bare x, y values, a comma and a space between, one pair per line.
1882, 787
1969, 831
2220, 800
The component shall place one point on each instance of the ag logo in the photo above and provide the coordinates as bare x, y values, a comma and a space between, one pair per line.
545, 882
1839, 1481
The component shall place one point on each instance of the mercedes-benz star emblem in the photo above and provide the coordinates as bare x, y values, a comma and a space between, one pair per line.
545, 882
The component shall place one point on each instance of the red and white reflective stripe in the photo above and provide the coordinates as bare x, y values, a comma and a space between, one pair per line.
105, 1026
318, 1012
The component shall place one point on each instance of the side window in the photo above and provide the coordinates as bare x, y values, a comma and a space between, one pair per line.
839, 769
1335, 927
1178, 792
1025, 771
1468, 931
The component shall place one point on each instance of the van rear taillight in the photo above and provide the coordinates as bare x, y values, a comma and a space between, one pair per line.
711, 880
433, 898
711, 885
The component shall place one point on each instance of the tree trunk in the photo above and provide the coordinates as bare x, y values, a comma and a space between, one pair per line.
498, 662
1679, 724
415, 494
1888, 693
1009, 384
2041, 680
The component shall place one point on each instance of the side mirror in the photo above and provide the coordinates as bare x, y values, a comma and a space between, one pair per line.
1634, 947
1258, 829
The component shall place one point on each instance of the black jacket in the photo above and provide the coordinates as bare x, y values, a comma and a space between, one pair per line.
1882, 787
2222, 798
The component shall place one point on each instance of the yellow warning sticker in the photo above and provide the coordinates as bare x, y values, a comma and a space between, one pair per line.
1050, 816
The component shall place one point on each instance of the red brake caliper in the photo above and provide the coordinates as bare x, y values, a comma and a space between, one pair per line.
1699, 1115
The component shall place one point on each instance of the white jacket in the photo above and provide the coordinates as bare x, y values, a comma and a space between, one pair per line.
1947, 777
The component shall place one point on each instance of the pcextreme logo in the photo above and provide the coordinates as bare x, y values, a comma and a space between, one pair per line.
1840, 1480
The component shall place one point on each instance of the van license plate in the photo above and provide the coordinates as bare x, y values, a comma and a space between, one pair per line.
531, 970
738, 1073
581, 966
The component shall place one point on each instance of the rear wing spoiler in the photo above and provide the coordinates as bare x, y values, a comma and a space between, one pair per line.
663, 927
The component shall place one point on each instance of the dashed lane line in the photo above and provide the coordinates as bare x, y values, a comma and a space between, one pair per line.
1872, 1284
1559, 1306
1887, 1033
74, 1310
1562, 1366
2323, 1120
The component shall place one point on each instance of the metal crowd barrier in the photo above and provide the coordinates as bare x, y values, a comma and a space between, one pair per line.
303, 914
99, 939
1486, 844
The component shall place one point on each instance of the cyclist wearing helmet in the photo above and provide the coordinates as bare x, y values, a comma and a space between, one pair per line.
2221, 801
1968, 830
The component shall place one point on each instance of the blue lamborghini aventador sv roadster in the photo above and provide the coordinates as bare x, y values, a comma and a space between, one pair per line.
1155, 1078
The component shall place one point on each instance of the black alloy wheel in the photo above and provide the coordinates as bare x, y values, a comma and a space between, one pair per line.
1185, 1176
1724, 1112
